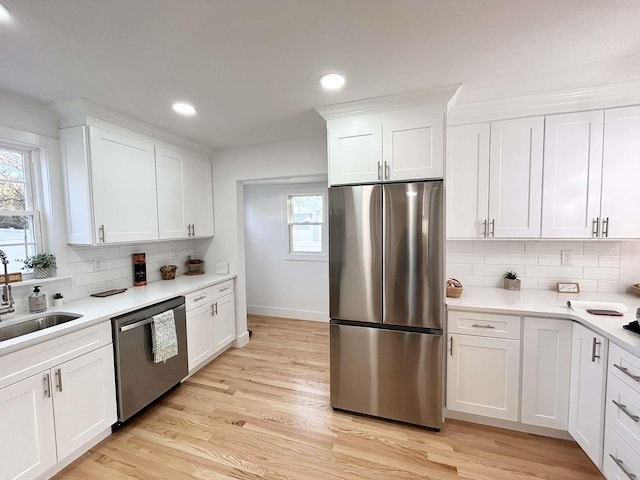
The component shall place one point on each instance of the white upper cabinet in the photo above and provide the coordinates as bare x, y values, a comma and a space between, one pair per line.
494, 179
355, 154
572, 175
467, 180
388, 139
125, 187
621, 173
170, 172
515, 177
198, 194
412, 148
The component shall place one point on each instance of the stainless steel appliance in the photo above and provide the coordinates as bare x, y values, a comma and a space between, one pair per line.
386, 271
139, 381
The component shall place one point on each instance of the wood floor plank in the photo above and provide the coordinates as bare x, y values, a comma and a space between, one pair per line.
263, 412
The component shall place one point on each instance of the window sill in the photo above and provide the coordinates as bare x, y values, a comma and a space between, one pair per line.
309, 257
39, 281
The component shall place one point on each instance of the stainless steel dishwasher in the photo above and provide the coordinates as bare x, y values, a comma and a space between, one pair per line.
140, 381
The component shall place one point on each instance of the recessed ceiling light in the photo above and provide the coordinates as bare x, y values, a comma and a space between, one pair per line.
5, 16
184, 109
332, 81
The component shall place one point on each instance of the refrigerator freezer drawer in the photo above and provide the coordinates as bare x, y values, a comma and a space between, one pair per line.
387, 373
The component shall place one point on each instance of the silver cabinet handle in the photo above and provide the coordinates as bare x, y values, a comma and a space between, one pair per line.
59, 377
605, 227
224, 289
451, 346
475, 325
595, 227
193, 229
623, 467
201, 297
215, 307
212, 310
386, 170
627, 372
379, 171
189, 230
624, 409
46, 378
485, 228
101, 234
593, 349
493, 227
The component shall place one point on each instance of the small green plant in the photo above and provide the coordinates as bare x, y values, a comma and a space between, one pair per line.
41, 260
58, 296
511, 275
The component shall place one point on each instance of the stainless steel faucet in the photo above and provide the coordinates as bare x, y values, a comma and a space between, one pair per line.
7, 298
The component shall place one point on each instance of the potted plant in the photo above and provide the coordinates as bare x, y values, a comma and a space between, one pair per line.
58, 299
511, 281
41, 264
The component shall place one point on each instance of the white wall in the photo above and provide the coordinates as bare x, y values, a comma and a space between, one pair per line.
277, 286
231, 168
608, 266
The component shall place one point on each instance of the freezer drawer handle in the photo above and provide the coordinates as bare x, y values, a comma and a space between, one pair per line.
475, 325
131, 326
627, 372
623, 467
622, 407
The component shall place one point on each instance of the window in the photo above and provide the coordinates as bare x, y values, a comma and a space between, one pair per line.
19, 219
306, 226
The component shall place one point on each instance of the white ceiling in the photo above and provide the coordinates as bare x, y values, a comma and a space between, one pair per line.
251, 66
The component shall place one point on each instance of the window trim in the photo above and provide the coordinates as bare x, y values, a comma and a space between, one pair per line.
307, 256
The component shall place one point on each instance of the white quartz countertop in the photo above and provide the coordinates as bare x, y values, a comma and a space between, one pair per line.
95, 310
543, 303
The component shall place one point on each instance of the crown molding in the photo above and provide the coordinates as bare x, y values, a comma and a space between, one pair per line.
82, 112
444, 96
588, 98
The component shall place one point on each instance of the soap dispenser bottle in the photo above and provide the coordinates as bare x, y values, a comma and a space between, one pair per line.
37, 300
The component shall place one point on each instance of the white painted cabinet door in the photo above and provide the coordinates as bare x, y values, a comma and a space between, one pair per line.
200, 342
621, 172
546, 372
27, 431
170, 180
124, 188
467, 180
198, 188
84, 396
355, 154
572, 174
412, 148
586, 404
483, 376
515, 183
224, 326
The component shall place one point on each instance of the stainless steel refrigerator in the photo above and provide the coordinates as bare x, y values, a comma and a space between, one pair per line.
386, 274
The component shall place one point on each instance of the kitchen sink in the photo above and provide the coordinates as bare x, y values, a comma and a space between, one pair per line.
35, 324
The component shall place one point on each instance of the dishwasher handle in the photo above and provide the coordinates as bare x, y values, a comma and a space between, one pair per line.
131, 326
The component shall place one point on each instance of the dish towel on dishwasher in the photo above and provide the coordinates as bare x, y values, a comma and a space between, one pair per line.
163, 337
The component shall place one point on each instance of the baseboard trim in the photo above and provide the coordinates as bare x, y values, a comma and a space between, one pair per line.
288, 313
517, 426
241, 340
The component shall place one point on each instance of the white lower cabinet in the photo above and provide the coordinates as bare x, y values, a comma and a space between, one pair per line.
620, 462
27, 434
586, 404
546, 372
211, 326
483, 376
57, 410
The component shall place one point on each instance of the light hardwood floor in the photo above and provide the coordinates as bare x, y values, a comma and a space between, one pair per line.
262, 412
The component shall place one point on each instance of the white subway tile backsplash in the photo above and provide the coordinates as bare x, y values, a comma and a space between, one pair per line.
498, 246
595, 265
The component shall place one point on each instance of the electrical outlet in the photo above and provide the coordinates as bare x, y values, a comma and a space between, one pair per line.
99, 264
566, 257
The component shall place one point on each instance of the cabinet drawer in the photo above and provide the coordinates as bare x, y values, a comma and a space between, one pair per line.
620, 461
224, 288
623, 410
625, 366
484, 324
197, 298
